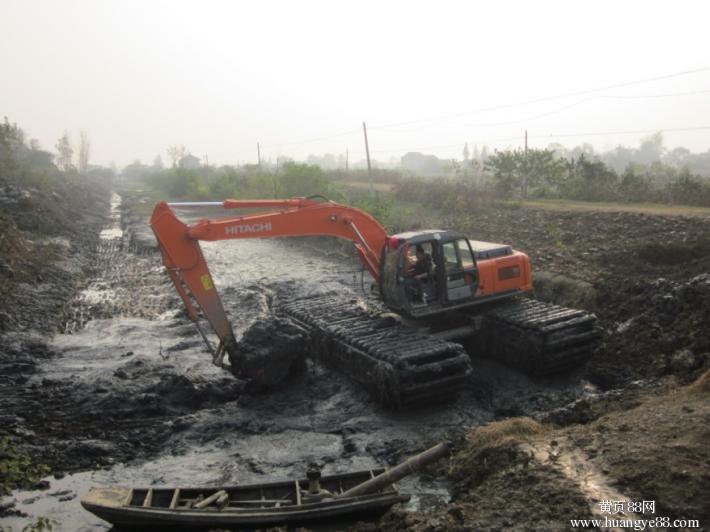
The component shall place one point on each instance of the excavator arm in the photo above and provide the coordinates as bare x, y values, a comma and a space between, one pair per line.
186, 265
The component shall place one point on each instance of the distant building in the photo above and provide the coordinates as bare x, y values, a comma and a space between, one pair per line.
423, 165
189, 162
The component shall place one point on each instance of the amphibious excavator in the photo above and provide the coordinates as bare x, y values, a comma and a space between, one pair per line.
470, 297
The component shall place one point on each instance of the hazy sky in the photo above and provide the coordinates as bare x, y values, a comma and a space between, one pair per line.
300, 76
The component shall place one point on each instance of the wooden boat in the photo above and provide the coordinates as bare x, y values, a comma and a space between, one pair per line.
256, 505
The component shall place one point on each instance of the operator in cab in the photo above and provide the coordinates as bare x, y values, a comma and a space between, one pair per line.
418, 273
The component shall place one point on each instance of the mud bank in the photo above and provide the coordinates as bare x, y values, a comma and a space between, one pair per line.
47, 253
643, 275
520, 475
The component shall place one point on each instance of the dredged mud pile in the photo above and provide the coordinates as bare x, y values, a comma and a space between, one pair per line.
518, 474
661, 329
644, 275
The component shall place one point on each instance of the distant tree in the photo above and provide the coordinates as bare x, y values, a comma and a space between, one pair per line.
12, 140
651, 149
678, 157
585, 149
283, 160
590, 179
158, 163
175, 153
506, 168
544, 171
38, 158
64, 152
689, 188
700, 162
84, 149
558, 149
136, 170
466, 153
635, 185
302, 180
619, 158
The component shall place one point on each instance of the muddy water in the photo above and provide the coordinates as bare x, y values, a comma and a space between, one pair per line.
138, 361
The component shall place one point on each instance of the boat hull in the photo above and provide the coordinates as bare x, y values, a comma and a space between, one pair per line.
141, 509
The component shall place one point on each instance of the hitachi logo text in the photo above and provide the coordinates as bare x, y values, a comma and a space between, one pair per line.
247, 228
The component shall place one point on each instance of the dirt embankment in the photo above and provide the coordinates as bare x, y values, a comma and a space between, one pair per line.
647, 277
517, 474
48, 244
46, 237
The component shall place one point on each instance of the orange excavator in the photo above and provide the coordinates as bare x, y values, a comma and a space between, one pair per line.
451, 296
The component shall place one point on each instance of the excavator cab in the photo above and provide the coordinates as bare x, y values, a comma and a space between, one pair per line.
448, 278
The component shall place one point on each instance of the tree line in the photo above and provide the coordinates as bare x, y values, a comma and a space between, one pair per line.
544, 174
23, 160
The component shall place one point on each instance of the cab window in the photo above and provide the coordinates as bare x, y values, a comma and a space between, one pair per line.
450, 256
465, 253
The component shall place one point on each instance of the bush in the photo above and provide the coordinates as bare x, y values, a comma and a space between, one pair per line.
302, 180
589, 180
689, 189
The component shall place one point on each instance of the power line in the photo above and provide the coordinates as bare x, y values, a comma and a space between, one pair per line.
585, 100
626, 132
439, 147
560, 135
523, 120
641, 96
319, 139
528, 102
547, 98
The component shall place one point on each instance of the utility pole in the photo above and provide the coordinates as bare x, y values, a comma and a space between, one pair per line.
258, 155
273, 177
369, 166
346, 160
525, 169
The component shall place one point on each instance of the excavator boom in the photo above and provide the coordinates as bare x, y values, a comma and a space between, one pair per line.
186, 265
